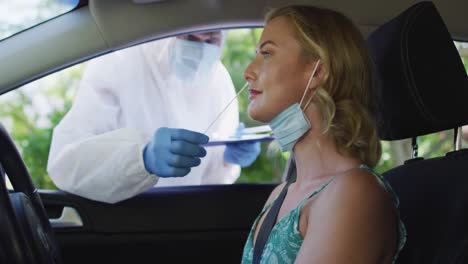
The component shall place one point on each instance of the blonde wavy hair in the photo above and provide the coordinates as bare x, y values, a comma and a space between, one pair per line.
344, 96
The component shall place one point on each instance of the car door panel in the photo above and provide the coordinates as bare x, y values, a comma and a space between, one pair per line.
167, 224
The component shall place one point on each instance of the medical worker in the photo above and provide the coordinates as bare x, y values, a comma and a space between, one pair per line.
139, 120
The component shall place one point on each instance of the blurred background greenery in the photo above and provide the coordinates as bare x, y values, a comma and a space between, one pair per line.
31, 112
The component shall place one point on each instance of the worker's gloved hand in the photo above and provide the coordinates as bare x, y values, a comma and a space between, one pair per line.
172, 152
244, 153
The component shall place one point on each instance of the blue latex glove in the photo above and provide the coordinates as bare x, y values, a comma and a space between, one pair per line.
244, 153
172, 152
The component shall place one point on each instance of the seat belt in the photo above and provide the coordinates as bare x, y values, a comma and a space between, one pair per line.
271, 217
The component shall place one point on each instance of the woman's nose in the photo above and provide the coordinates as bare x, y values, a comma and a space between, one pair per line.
249, 73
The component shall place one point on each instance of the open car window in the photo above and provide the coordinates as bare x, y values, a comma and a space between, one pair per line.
463, 49
33, 111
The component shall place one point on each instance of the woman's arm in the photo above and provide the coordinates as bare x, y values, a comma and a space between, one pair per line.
352, 221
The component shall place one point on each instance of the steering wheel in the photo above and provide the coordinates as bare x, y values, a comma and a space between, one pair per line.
26, 234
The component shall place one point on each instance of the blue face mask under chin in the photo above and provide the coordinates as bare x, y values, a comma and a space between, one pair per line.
292, 123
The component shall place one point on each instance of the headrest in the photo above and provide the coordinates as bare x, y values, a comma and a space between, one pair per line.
422, 83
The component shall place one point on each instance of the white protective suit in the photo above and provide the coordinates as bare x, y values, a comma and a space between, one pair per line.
124, 97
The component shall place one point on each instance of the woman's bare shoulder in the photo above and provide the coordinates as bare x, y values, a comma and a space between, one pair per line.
360, 184
354, 216
359, 189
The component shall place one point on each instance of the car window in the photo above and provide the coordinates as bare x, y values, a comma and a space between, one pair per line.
32, 112
16, 16
463, 50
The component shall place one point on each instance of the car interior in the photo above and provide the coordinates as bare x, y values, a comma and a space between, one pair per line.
421, 94
421, 85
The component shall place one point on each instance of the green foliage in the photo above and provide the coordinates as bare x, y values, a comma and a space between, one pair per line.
465, 63
238, 52
429, 146
386, 162
25, 122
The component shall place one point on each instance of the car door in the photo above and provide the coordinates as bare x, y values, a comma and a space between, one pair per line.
191, 224
177, 224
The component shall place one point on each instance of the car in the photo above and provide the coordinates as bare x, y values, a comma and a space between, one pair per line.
210, 223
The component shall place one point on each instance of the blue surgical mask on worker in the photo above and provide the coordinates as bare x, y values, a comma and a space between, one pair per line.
292, 123
192, 59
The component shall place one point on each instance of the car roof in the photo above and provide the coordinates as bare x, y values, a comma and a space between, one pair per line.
102, 26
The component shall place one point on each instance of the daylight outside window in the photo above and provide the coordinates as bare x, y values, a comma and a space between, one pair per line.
31, 112
16, 16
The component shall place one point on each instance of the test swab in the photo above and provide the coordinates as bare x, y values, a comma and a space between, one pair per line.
257, 129
219, 115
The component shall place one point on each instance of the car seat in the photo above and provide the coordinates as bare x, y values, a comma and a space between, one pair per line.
422, 88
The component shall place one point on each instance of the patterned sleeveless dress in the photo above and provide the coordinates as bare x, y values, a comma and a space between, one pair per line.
285, 240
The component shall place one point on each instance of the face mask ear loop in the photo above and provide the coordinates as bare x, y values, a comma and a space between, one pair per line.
307, 87
310, 100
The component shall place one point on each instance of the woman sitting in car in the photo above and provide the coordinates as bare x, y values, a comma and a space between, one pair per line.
311, 82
